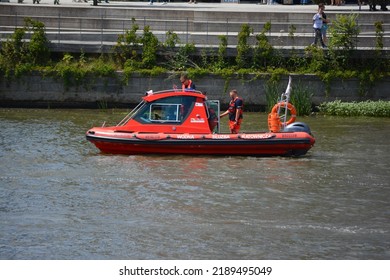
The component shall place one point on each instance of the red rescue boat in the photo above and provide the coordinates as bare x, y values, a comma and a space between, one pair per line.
187, 123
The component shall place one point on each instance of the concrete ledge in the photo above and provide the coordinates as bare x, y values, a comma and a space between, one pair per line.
35, 90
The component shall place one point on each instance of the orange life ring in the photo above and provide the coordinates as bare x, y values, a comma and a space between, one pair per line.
290, 107
274, 122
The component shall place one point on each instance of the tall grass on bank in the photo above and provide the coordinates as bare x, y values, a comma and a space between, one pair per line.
351, 109
300, 97
272, 91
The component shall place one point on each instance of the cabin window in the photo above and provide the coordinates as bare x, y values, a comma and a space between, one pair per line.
167, 110
161, 112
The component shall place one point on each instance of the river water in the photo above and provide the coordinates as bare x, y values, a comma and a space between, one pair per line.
62, 199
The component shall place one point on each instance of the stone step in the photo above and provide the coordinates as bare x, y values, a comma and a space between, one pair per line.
276, 39
200, 24
224, 25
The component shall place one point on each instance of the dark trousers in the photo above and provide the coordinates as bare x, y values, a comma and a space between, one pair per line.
318, 36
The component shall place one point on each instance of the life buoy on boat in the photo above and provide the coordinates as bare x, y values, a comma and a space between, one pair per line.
274, 123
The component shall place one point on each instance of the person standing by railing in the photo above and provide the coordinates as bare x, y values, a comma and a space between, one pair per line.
317, 25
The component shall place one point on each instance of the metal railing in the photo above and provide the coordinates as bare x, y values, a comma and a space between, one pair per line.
105, 30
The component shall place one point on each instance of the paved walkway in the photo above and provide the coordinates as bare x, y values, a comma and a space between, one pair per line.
220, 6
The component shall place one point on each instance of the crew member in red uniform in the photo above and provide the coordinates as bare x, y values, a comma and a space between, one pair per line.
235, 112
186, 84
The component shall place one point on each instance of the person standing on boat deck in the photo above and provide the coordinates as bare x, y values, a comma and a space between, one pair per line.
186, 84
235, 112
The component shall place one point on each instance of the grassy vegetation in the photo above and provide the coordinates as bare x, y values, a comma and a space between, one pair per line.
351, 109
141, 52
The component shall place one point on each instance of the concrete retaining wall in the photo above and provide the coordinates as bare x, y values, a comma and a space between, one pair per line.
38, 91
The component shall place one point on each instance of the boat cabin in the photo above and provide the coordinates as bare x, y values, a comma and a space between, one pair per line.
174, 112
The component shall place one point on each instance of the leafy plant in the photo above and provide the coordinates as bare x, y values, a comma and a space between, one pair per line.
351, 109
316, 59
68, 69
379, 35
149, 48
344, 32
155, 71
243, 48
74, 72
171, 40
263, 52
13, 51
101, 67
222, 49
182, 58
291, 31
38, 49
128, 45
18, 55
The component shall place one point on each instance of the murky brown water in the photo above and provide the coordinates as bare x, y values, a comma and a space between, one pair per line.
61, 199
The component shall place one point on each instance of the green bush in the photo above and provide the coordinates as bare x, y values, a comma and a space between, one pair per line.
343, 40
222, 50
351, 109
19, 55
38, 47
75, 72
128, 45
263, 51
149, 46
243, 48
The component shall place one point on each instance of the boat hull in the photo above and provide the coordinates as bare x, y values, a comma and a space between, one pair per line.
255, 144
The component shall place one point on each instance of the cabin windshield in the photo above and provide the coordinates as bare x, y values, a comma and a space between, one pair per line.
173, 109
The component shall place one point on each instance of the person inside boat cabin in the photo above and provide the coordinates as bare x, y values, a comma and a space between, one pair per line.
186, 84
235, 112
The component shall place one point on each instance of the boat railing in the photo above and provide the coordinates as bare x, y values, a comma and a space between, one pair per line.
131, 114
172, 90
284, 99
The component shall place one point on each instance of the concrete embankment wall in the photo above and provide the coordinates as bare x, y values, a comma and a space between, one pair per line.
36, 90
